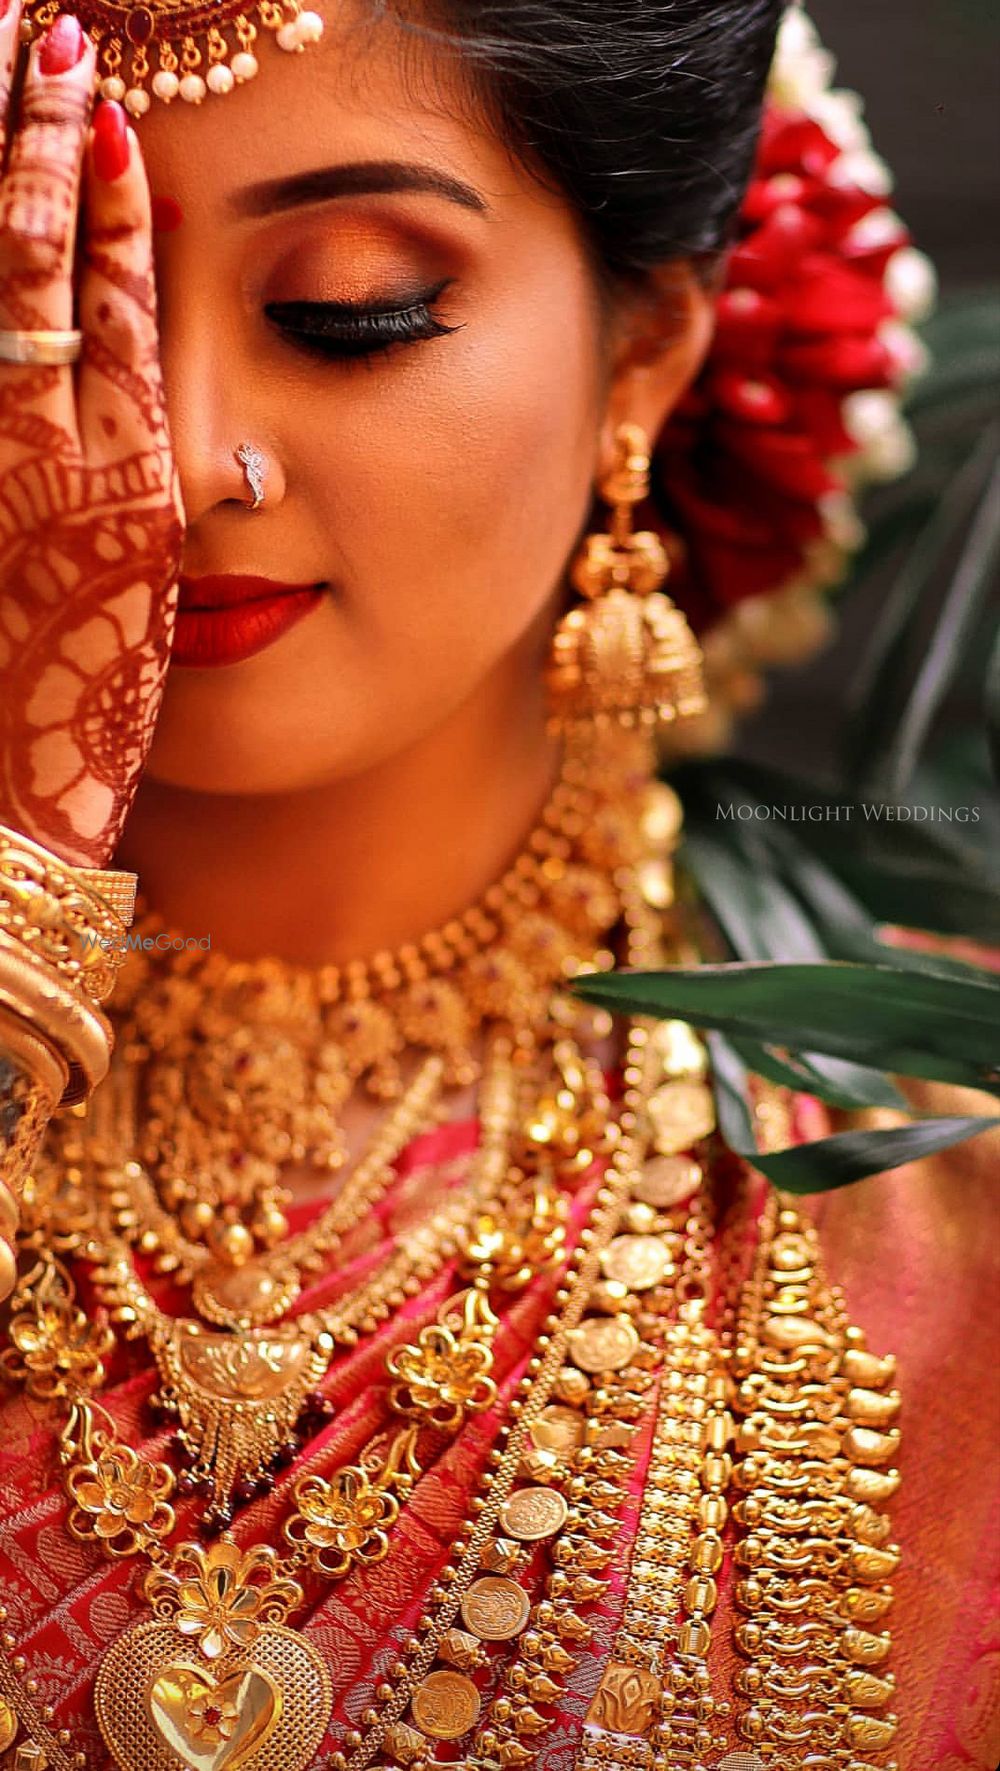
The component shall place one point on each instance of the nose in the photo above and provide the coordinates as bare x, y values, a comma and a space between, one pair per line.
221, 439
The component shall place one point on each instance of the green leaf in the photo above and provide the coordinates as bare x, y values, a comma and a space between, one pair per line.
913, 1023
760, 919
848, 1156
917, 874
971, 583
775, 900
834, 1080
900, 681
825, 1164
847, 929
991, 705
957, 773
924, 898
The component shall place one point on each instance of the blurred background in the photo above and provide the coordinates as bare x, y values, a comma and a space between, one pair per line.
929, 74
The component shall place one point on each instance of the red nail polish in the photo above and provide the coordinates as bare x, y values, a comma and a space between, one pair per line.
111, 143
62, 45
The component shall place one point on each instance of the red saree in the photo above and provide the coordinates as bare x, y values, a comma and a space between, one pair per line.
919, 1273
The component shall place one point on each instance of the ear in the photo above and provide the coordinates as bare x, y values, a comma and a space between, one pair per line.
660, 333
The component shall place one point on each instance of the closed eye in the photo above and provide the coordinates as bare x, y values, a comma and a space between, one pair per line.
335, 329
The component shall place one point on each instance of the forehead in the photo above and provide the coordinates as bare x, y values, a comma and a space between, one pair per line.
368, 89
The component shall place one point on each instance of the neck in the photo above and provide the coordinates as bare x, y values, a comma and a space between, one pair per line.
339, 871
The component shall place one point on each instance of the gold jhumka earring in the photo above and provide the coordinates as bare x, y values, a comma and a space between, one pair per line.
627, 653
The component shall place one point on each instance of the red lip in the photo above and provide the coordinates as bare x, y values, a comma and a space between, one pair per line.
221, 620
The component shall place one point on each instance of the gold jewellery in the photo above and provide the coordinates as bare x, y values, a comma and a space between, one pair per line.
676, 1314
41, 345
627, 653
198, 49
62, 932
208, 1602
239, 1069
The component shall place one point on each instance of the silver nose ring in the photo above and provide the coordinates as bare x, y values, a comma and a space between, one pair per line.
254, 467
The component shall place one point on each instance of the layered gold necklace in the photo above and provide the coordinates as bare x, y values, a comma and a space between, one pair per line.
239, 1070
640, 1321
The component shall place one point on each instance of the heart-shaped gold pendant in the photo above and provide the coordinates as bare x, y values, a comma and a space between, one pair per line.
211, 1723
160, 1708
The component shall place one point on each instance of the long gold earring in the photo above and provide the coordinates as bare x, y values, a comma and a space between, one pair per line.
627, 653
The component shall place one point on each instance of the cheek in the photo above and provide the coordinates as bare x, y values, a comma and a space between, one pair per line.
460, 480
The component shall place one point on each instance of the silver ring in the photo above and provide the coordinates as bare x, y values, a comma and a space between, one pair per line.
254, 467
40, 347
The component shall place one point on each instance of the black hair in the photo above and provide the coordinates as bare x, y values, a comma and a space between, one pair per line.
644, 113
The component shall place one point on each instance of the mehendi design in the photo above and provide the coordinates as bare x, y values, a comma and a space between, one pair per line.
84, 643
91, 522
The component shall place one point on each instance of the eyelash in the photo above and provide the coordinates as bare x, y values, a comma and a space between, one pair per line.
332, 329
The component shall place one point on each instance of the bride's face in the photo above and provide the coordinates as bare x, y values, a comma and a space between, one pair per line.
429, 492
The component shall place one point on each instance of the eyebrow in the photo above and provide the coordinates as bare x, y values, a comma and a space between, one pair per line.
354, 178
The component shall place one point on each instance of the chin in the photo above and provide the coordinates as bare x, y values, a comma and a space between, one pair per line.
306, 730
295, 714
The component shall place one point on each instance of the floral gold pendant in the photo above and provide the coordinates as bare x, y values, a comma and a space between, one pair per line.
157, 1707
216, 1682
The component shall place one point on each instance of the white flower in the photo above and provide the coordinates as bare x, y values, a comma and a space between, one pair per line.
873, 421
878, 228
802, 68
911, 283
841, 522
866, 170
908, 352
839, 116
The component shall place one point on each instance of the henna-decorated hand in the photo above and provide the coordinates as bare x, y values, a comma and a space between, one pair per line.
91, 521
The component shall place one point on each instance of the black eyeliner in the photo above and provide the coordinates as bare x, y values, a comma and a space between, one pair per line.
349, 329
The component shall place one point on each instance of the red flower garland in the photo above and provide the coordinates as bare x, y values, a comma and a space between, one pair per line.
746, 467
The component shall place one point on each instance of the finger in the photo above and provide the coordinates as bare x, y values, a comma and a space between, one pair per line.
10, 37
119, 388
39, 195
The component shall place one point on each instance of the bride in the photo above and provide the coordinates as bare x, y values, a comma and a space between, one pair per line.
400, 1370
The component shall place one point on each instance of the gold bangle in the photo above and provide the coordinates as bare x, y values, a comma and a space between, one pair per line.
60, 1014
116, 889
28, 1100
32, 1053
73, 918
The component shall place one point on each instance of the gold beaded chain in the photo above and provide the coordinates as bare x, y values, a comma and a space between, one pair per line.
249, 1293
654, 1705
